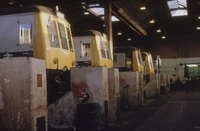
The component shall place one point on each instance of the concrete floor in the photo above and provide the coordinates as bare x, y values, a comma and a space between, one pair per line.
176, 111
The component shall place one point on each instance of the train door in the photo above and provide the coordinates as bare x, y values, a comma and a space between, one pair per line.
26, 32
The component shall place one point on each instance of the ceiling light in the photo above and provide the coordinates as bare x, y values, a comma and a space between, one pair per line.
198, 28
143, 8
119, 33
129, 39
198, 17
163, 37
103, 25
83, 3
158, 30
152, 21
86, 13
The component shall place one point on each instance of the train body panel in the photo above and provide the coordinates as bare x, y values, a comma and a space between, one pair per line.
92, 49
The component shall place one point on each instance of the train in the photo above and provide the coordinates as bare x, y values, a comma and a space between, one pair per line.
40, 32
128, 58
147, 57
92, 49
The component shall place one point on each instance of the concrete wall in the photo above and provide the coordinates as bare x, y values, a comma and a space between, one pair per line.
180, 46
93, 80
152, 89
23, 95
61, 114
141, 88
129, 89
114, 94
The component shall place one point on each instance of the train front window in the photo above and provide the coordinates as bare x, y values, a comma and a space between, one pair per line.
63, 36
53, 34
103, 53
69, 36
107, 50
25, 33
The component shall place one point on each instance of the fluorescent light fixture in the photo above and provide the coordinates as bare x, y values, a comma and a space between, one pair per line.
86, 13
198, 28
192, 65
163, 37
119, 33
158, 30
142, 8
94, 5
152, 21
129, 39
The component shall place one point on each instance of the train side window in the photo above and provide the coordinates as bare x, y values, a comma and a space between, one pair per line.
53, 34
69, 36
63, 36
107, 50
86, 49
103, 53
25, 33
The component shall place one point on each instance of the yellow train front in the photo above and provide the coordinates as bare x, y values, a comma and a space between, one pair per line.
92, 49
39, 32
128, 58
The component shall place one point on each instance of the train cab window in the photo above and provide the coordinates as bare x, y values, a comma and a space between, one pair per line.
86, 49
103, 53
107, 50
139, 59
69, 36
151, 62
25, 33
63, 36
53, 34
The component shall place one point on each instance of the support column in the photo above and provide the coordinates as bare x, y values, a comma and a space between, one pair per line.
108, 25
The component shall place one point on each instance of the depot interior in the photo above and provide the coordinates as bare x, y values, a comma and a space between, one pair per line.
169, 28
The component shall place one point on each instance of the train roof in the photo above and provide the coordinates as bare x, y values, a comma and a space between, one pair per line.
88, 33
122, 49
26, 9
